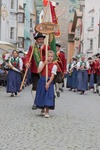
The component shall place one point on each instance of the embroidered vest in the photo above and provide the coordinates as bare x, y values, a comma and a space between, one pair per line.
15, 62
82, 63
50, 66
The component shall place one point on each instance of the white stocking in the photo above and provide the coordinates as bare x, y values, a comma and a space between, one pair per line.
99, 89
95, 87
33, 94
57, 87
60, 85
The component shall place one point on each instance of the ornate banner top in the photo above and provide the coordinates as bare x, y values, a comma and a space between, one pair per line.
45, 27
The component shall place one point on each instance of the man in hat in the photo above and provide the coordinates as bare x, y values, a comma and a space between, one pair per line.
38, 55
61, 65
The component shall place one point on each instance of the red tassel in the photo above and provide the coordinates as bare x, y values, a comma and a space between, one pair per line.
45, 2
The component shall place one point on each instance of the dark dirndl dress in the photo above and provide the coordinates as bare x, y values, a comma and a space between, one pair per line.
44, 98
69, 81
13, 81
91, 81
82, 80
74, 79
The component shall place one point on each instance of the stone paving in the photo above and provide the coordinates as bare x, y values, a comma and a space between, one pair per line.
73, 125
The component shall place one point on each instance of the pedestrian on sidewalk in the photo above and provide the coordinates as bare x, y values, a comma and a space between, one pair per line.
45, 89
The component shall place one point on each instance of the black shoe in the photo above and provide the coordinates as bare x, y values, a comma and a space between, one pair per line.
34, 107
61, 89
74, 90
82, 93
58, 94
70, 89
12, 95
97, 91
15, 93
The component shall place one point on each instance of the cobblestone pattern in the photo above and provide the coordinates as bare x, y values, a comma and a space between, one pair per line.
73, 125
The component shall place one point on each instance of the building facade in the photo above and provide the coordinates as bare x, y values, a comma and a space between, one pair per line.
21, 22
77, 29
29, 23
91, 38
17, 22
8, 24
75, 34
73, 6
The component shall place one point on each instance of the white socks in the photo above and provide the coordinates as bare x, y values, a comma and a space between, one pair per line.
33, 94
99, 89
95, 87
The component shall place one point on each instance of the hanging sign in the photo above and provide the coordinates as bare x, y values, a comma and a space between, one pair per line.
45, 27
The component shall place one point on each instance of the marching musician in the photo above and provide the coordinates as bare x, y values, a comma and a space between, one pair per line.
74, 74
90, 74
69, 75
14, 74
98, 74
61, 65
82, 77
94, 65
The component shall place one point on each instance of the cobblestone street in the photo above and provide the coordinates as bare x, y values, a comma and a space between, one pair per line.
73, 125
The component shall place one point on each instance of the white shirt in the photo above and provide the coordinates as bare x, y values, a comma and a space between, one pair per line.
79, 63
74, 63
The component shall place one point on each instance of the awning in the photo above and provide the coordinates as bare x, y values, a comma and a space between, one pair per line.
6, 46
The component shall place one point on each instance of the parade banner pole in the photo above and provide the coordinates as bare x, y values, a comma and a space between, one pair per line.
46, 28
26, 69
47, 38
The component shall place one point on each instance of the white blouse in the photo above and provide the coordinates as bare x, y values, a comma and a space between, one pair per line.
79, 63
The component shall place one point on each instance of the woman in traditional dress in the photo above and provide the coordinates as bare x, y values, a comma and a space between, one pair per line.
82, 77
69, 76
45, 90
74, 74
14, 74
